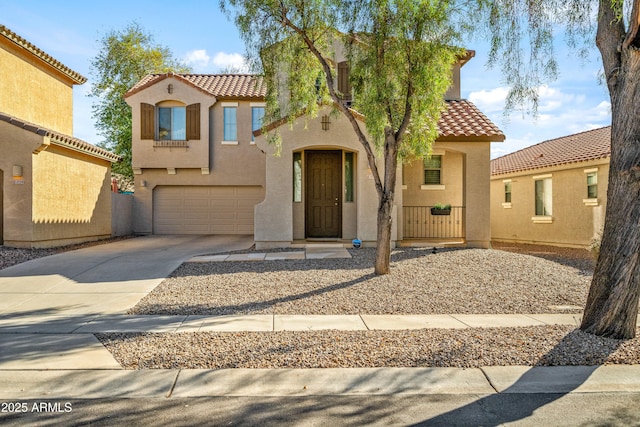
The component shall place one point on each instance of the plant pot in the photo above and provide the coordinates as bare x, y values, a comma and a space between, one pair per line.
435, 211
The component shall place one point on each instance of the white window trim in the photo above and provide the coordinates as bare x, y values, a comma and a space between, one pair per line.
590, 170
404, 187
506, 205
229, 142
591, 202
432, 187
539, 177
228, 104
542, 219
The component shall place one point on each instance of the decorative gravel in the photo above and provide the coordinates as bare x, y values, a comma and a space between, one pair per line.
468, 348
450, 281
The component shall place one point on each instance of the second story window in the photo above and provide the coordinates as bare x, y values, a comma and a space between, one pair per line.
169, 121
257, 114
172, 123
230, 123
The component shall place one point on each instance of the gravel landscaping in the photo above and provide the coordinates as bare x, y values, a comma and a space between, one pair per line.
450, 281
467, 348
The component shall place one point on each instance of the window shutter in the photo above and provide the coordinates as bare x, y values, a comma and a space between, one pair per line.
193, 121
147, 121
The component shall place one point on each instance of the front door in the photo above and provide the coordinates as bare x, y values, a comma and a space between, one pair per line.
323, 193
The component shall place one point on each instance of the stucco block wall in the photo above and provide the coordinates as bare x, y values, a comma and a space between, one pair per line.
121, 214
574, 222
31, 91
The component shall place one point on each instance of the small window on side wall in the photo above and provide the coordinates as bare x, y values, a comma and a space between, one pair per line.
507, 192
433, 170
257, 114
543, 197
592, 185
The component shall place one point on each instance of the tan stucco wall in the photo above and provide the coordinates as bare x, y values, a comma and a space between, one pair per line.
16, 146
465, 176
65, 197
574, 222
144, 154
207, 162
279, 220
33, 91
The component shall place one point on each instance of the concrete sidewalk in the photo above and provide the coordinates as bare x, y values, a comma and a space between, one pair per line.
94, 323
50, 308
181, 383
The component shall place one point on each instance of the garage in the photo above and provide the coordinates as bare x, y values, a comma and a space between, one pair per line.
205, 209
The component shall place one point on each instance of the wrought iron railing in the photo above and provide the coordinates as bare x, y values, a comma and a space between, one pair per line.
420, 223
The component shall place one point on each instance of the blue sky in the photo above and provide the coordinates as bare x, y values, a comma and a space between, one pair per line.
198, 33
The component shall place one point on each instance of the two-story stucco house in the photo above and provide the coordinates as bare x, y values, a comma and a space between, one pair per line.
54, 188
203, 165
554, 192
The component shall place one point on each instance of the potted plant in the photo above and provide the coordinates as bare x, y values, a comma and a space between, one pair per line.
441, 209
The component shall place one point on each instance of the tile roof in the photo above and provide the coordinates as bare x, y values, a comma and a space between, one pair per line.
590, 145
462, 120
219, 85
42, 55
62, 140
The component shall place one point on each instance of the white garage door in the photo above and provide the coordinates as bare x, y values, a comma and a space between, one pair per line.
204, 210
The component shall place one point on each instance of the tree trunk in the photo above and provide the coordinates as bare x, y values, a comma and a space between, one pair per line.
385, 203
612, 304
383, 244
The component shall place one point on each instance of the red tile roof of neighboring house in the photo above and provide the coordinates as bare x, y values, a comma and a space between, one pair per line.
239, 86
62, 140
590, 145
462, 120
76, 77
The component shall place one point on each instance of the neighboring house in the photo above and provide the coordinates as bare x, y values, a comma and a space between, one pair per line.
54, 189
552, 193
202, 165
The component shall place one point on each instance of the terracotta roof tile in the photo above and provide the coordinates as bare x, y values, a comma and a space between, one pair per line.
42, 55
462, 120
62, 140
218, 85
590, 145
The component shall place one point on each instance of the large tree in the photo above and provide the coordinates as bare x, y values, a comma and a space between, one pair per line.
612, 305
391, 36
400, 55
125, 56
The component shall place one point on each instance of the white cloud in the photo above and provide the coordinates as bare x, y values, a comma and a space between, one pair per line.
490, 101
198, 59
223, 60
560, 113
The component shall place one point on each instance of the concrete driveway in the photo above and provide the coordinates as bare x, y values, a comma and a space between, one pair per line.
102, 279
